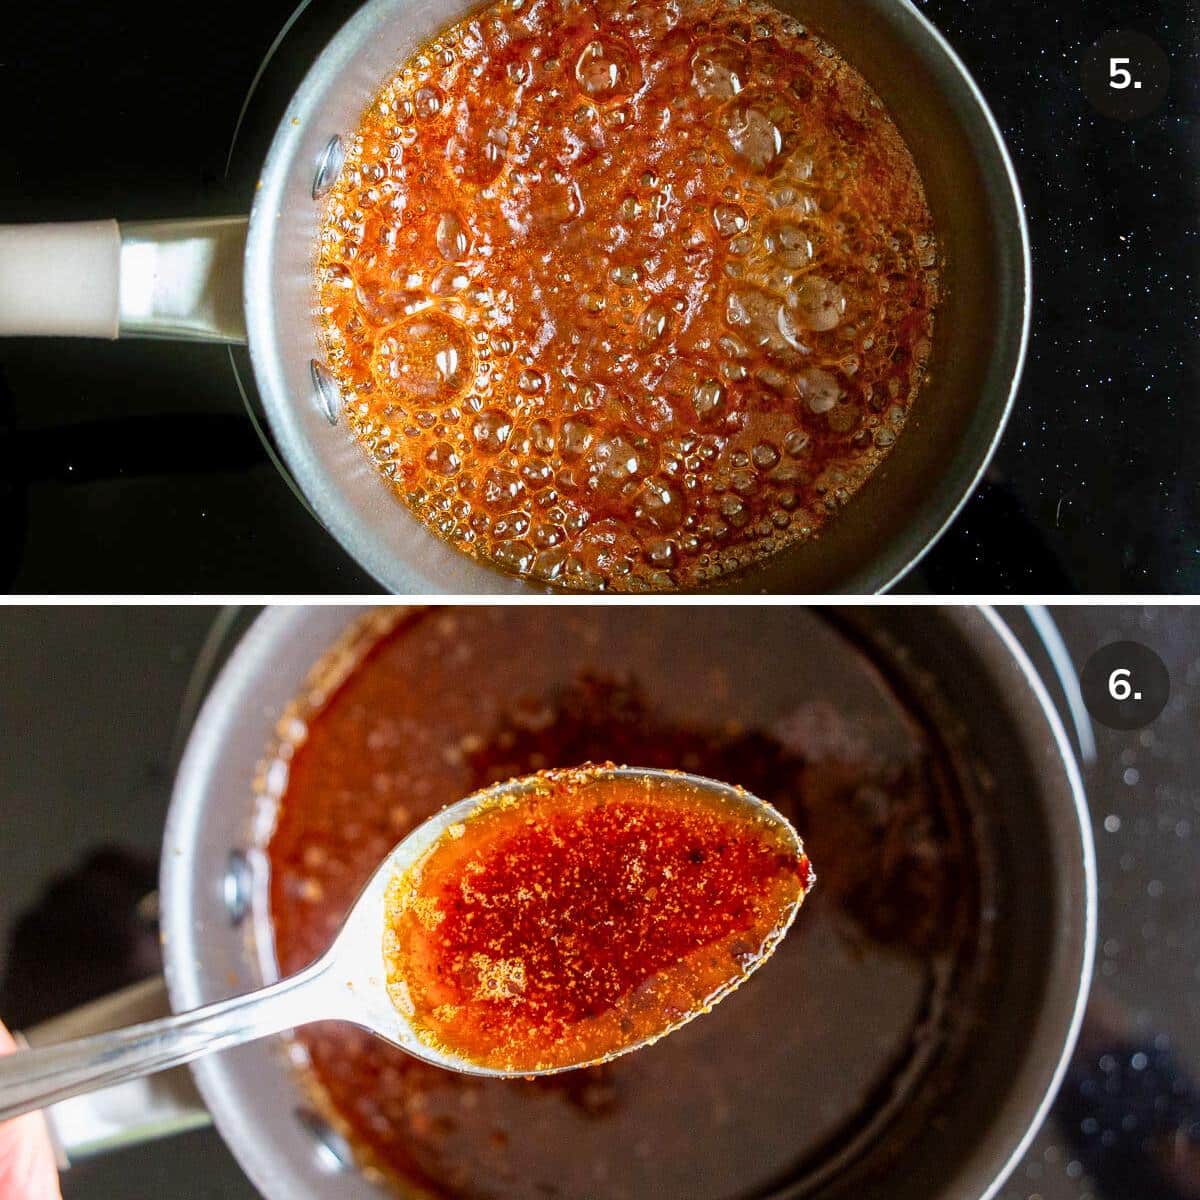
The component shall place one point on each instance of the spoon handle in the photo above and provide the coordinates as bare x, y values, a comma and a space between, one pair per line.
32, 1079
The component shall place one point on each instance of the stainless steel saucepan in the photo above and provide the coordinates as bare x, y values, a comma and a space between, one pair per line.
236, 280
970, 677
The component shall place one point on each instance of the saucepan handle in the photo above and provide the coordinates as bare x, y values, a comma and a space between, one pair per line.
47, 1074
44, 1075
139, 1110
161, 279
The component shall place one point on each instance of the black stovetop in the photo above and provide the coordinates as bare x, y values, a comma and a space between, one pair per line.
131, 467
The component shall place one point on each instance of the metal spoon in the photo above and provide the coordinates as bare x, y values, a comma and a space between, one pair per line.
347, 983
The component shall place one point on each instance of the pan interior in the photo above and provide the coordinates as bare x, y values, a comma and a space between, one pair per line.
830, 1058
940, 1123
979, 331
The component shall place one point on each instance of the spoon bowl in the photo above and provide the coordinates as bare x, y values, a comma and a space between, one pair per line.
349, 981
354, 965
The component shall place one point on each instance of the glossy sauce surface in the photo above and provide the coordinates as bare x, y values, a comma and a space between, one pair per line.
588, 915
624, 295
863, 995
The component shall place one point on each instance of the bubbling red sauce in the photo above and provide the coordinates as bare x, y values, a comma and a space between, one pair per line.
626, 296
588, 915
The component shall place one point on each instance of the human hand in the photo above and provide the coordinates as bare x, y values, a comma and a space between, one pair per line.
27, 1167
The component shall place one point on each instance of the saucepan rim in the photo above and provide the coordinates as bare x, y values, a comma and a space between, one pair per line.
345, 519
1000, 657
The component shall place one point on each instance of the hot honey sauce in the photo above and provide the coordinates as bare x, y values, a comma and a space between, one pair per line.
587, 916
626, 295
868, 993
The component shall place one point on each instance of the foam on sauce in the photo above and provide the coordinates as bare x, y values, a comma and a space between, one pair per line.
587, 916
626, 296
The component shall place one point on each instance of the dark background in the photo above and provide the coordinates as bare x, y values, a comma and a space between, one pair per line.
95, 704
131, 467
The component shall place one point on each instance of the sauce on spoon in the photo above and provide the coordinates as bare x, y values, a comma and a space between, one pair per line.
590, 915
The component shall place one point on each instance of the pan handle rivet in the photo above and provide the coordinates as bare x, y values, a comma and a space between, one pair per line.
329, 399
237, 886
329, 167
332, 1149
